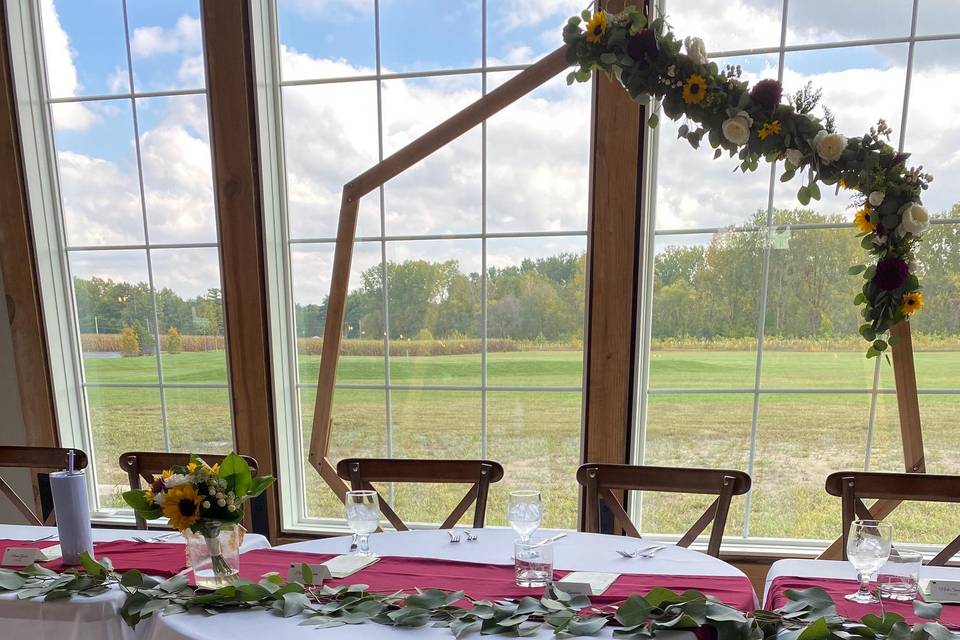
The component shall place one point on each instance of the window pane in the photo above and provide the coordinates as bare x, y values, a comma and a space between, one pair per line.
536, 437
177, 173
84, 48
706, 300
423, 35
538, 176
361, 351
121, 420
199, 420
190, 310
330, 137
434, 302
535, 299
811, 337
97, 166
435, 425
115, 315
802, 439
694, 430
166, 43
523, 34
347, 47
938, 16
359, 430
441, 194
727, 26
826, 21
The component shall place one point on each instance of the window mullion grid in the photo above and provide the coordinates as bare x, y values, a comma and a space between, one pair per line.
146, 230
764, 289
483, 237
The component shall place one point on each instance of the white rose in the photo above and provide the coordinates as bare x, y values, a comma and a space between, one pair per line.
696, 50
875, 198
793, 156
913, 219
737, 128
176, 480
829, 146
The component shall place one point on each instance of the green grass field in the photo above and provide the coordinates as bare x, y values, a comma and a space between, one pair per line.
536, 434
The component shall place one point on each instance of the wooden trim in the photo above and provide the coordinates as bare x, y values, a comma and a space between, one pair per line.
18, 269
231, 100
444, 133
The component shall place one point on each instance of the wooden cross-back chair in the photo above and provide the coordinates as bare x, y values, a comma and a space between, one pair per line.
145, 464
45, 458
361, 472
600, 481
853, 486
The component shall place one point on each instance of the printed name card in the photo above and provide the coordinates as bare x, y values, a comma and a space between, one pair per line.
946, 591
588, 583
316, 573
338, 567
21, 556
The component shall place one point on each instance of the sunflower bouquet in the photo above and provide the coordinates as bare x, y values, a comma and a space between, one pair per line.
201, 499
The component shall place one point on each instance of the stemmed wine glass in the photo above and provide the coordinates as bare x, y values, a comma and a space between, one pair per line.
523, 512
868, 547
363, 516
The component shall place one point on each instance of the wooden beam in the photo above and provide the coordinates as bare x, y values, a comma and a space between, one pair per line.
447, 131
233, 138
18, 268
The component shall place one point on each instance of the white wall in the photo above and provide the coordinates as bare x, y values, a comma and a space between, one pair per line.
12, 428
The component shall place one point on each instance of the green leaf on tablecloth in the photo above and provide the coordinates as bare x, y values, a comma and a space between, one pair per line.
929, 610
90, 565
633, 611
10, 580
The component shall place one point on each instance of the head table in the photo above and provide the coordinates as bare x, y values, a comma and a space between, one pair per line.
577, 551
79, 618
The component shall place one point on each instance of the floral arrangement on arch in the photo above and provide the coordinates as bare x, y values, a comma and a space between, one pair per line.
754, 123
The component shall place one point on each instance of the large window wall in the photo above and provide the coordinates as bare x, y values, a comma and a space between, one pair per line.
464, 329
135, 210
752, 355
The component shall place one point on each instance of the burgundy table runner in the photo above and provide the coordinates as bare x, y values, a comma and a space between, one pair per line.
838, 588
486, 581
153, 558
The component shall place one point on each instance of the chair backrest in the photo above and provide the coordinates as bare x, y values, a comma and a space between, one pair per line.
361, 472
46, 458
145, 464
853, 486
601, 480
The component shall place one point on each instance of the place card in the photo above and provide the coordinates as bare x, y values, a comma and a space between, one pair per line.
588, 583
945, 591
320, 573
22, 556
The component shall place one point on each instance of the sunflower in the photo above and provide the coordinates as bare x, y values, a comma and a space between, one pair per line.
191, 467
694, 89
182, 506
912, 302
769, 129
596, 27
862, 220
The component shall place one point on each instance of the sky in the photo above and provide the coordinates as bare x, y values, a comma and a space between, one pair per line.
537, 166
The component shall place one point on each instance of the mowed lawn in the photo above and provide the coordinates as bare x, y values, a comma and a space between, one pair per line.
535, 434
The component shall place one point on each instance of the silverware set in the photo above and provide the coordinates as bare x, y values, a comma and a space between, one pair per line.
642, 552
159, 538
52, 535
455, 537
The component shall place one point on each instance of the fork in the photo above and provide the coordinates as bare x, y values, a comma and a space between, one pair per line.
52, 535
643, 552
470, 536
156, 539
453, 537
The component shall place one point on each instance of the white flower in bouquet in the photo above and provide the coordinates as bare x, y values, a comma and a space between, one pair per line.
793, 156
696, 50
737, 128
879, 240
158, 498
829, 146
913, 219
177, 480
876, 198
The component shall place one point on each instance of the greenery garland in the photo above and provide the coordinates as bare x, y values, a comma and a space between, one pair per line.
754, 124
810, 614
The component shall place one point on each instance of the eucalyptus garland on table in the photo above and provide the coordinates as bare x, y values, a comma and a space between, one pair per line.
754, 124
810, 614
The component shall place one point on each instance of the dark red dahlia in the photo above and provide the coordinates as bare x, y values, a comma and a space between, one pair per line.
643, 46
158, 486
891, 273
767, 94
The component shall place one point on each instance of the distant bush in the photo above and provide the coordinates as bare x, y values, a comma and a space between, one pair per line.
127, 343
437, 347
174, 342
110, 342
144, 338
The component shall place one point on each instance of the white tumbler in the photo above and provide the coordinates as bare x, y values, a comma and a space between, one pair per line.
70, 505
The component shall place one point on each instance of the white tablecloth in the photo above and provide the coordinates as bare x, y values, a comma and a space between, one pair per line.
837, 569
578, 551
78, 618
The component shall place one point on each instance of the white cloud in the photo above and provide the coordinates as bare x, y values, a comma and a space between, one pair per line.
61, 72
151, 41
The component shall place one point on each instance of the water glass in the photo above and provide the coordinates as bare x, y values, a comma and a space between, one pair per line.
363, 517
898, 578
533, 562
868, 547
523, 512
